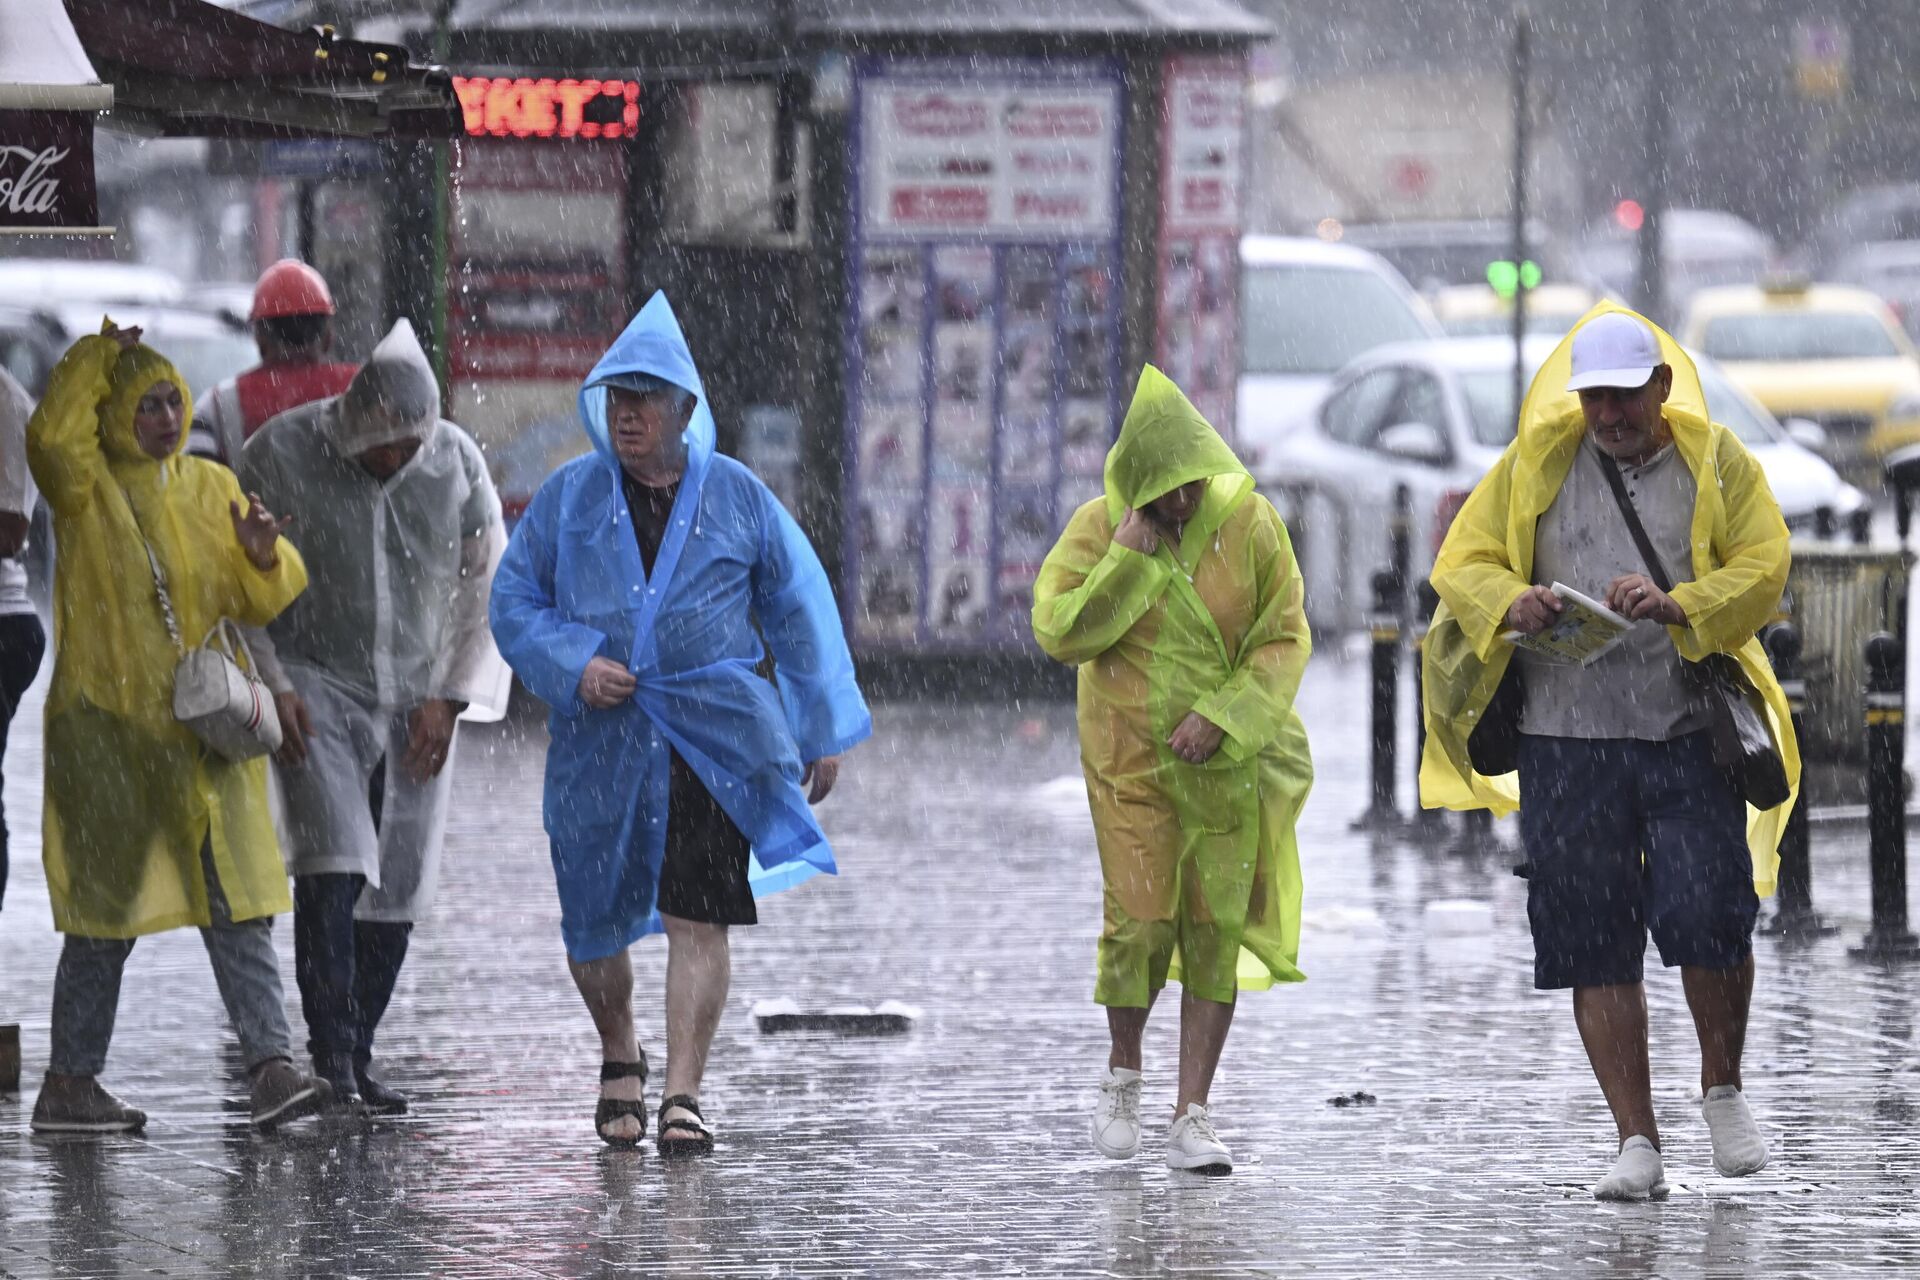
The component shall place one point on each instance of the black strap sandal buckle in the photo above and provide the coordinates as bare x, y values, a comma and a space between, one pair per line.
611, 1109
700, 1145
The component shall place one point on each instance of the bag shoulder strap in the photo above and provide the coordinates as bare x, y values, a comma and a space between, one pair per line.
1657, 569
159, 579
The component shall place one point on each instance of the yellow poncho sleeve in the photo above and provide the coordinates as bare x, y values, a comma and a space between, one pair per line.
1732, 601
1256, 702
1091, 590
1474, 572
63, 436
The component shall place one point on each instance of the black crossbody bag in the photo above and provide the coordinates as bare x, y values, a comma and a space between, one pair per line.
1743, 747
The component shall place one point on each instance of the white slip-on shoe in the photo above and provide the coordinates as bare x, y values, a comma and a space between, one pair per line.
1738, 1147
1194, 1146
1637, 1174
1116, 1116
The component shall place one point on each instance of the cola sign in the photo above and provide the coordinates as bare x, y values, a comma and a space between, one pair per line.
46, 171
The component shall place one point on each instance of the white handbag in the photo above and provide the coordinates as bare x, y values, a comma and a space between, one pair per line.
224, 703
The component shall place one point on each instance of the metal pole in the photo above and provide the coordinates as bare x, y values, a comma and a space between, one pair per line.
1385, 669
1889, 937
1794, 918
442, 185
1400, 547
1650, 290
1522, 25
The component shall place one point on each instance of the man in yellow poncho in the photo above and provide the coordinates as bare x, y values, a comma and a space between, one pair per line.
1628, 825
1177, 596
145, 830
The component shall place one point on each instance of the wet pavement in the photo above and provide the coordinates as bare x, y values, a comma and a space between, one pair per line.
970, 890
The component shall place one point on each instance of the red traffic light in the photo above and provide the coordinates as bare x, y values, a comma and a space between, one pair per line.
1629, 215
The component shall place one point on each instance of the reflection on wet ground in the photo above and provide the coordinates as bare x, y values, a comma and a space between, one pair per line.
969, 889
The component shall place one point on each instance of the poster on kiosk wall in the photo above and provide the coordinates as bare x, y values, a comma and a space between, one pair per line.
983, 339
1197, 339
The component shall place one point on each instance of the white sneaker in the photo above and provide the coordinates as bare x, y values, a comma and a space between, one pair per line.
1116, 1116
1738, 1148
1637, 1174
1192, 1144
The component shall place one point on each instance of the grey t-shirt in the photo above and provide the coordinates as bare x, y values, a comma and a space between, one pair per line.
1637, 689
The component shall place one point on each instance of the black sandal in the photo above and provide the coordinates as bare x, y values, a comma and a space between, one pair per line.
611, 1109
700, 1146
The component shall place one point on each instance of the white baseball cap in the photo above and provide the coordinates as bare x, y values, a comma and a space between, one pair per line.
1614, 350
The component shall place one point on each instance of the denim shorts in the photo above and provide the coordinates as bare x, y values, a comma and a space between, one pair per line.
1589, 810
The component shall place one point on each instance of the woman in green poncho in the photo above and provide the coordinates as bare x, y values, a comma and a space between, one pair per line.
1177, 596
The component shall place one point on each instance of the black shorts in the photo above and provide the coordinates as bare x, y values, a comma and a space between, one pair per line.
704, 875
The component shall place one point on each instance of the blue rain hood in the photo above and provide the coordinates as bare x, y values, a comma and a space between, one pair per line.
652, 344
734, 582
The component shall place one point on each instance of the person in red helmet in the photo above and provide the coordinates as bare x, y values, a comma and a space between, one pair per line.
292, 321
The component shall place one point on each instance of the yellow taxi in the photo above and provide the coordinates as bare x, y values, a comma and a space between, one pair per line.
1476, 310
1829, 353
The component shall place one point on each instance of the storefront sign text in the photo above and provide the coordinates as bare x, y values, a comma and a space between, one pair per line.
527, 108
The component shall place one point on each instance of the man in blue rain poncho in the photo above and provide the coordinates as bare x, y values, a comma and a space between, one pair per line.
633, 599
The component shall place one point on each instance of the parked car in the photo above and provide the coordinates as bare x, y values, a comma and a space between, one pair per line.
74, 295
1307, 308
30, 342
1432, 417
1870, 215
1829, 353
1475, 310
1701, 248
1890, 269
44, 281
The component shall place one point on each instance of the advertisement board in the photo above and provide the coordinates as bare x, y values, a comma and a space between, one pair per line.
983, 339
46, 172
1202, 174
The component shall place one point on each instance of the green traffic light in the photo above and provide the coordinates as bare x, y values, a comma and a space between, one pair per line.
1507, 280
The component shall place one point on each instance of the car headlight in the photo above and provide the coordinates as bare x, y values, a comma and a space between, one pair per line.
1905, 405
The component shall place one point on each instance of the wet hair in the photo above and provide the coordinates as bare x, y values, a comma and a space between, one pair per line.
401, 388
296, 331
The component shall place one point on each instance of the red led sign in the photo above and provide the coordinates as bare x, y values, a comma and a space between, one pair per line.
524, 108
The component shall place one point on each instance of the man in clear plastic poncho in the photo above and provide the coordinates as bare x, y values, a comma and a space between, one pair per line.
634, 600
1177, 596
401, 531
1629, 828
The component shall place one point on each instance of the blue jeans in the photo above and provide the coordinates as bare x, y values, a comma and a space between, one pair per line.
86, 988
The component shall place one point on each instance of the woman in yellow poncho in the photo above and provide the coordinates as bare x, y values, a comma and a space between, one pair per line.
1177, 596
144, 830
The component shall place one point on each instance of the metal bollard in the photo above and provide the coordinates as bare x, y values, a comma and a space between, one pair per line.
1860, 525
1381, 815
1424, 821
1476, 834
1888, 938
1794, 918
10, 1058
1400, 547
